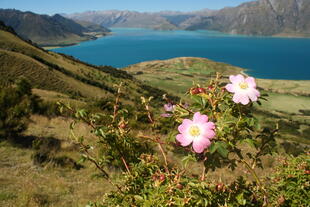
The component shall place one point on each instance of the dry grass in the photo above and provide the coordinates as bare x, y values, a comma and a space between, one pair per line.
24, 184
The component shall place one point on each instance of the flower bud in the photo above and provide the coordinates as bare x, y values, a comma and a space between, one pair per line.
220, 187
281, 200
179, 186
122, 125
197, 90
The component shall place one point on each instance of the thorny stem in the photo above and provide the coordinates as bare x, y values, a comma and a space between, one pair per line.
117, 102
90, 123
124, 162
157, 140
160, 143
257, 180
106, 175
181, 106
164, 155
203, 175
149, 115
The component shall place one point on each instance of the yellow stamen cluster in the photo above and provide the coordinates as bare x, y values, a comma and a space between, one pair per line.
194, 131
243, 85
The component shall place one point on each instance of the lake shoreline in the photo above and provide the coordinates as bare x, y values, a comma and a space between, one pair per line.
267, 58
95, 37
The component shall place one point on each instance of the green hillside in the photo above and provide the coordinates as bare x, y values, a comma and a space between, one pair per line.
55, 72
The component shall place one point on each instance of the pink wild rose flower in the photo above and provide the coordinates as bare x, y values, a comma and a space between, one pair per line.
197, 131
244, 89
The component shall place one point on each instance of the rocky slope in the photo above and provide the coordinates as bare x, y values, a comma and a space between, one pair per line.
262, 17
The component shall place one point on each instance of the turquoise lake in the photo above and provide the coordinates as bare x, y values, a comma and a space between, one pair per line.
263, 57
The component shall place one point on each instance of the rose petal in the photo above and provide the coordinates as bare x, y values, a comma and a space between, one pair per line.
198, 118
208, 130
185, 125
253, 94
251, 82
199, 144
236, 78
166, 115
168, 107
244, 100
230, 88
184, 140
241, 98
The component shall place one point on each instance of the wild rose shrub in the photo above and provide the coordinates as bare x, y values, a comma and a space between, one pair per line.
212, 131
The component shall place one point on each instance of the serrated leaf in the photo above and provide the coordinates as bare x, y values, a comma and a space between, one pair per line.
213, 147
240, 199
138, 198
250, 142
222, 151
186, 160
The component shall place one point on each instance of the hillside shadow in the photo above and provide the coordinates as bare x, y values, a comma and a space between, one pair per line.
46, 151
293, 148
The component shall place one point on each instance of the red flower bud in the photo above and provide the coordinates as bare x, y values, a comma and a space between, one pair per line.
290, 176
220, 187
307, 172
162, 177
179, 186
198, 90
281, 200
122, 126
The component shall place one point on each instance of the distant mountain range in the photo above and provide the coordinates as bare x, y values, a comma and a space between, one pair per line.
261, 17
49, 30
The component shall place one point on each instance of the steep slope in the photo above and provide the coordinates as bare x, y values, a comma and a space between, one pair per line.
54, 72
91, 27
262, 17
44, 29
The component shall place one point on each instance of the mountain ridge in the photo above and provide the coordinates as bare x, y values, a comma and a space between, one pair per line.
46, 30
261, 17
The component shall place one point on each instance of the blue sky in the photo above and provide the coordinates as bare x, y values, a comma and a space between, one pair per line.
71, 6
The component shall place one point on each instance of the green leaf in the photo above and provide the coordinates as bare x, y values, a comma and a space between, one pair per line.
138, 198
222, 151
198, 100
240, 199
250, 142
220, 147
213, 147
188, 158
